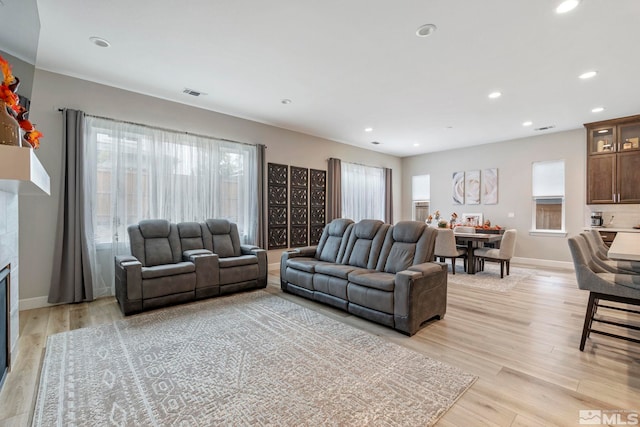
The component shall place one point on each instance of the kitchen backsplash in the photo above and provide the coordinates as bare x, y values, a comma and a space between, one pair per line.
617, 216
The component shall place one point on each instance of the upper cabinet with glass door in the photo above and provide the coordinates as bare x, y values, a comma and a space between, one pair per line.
602, 140
614, 136
629, 138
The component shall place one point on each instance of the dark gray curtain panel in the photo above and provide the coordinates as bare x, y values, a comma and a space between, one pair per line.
334, 189
388, 196
261, 231
71, 279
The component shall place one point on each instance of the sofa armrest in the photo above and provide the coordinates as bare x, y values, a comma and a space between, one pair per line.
128, 282
207, 268
420, 294
186, 255
262, 262
306, 251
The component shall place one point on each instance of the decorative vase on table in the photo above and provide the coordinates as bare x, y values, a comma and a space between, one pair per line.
9, 128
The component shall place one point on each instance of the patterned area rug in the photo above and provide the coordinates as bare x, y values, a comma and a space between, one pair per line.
247, 359
489, 279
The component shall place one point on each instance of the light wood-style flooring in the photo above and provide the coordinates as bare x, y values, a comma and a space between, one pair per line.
522, 345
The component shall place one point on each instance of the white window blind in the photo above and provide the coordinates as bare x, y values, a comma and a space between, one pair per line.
421, 187
548, 178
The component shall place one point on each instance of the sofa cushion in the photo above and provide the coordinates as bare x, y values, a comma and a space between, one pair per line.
190, 236
374, 279
223, 238
238, 273
365, 243
333, 240
304, 264
169, 285
330, 285
151, 228
167, 270
299, 278
335, 270
237, 261
400, 257
371, 298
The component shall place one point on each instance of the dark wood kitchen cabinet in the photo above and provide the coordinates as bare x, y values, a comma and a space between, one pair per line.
613, 161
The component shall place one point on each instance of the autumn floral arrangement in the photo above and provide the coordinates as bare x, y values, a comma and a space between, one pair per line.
10, 98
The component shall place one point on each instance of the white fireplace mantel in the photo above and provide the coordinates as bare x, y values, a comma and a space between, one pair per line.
21, 172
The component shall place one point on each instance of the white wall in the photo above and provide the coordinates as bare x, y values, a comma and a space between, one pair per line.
52, 91
513, 160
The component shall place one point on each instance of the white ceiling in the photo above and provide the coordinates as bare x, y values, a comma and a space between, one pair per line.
348, 65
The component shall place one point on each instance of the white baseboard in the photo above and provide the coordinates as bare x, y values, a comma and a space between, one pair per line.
535, 262
31, 303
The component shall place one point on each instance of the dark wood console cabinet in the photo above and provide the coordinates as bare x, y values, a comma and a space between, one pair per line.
613, 161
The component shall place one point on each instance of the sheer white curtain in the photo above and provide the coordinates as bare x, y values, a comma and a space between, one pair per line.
363, 192
138, 172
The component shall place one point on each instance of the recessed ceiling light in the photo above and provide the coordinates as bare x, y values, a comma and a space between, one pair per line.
99, 41
597, 110
567, 6
368, 129
375, 142
426, 30
527, 123
416, 145
286, 101
494, 95
587, 75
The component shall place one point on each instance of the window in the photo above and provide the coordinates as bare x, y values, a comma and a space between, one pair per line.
363, 192
548, 196
420, 196
135, 172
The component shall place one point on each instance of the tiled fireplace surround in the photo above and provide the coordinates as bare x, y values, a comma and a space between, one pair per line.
9, 257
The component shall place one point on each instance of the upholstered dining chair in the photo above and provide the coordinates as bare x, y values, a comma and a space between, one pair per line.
603, 261
446, 248
502, 255
603, 285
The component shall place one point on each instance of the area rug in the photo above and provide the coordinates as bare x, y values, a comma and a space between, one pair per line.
247, 359
489, 279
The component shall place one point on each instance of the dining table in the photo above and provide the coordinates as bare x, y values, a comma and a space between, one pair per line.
473, 240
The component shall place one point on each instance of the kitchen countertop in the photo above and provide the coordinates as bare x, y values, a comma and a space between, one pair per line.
614, 229
626, 247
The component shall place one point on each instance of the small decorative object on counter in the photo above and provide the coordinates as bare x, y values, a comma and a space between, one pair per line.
443, 224
454, 218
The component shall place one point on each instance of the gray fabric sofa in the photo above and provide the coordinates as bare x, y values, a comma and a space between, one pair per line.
176, 263
373, 270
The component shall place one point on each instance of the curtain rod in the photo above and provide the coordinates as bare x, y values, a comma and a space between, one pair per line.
361, 164
167, 129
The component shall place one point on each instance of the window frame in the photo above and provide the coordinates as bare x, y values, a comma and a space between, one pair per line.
535, 198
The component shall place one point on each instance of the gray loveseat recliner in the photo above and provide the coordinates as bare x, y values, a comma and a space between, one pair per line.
373, 270
176, 263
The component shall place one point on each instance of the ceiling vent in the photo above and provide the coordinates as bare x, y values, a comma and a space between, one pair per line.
545, 127
193, 92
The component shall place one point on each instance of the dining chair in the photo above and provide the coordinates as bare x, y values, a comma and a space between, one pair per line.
446, 248
502, 255
613, 266
603, 285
